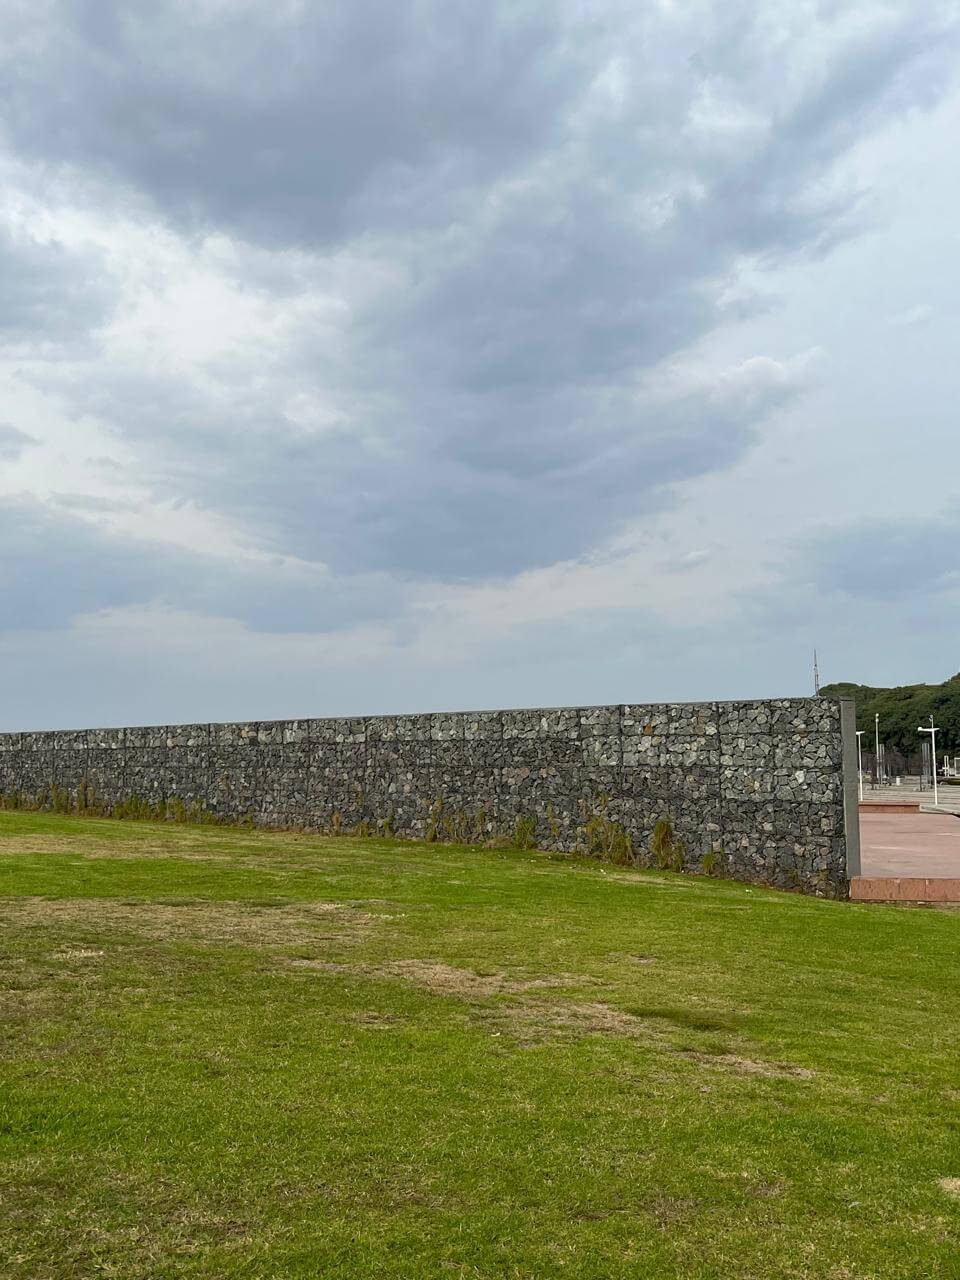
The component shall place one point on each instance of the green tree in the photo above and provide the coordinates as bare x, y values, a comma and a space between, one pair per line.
902, 709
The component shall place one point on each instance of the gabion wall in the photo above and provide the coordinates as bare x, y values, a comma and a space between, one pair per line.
754, 790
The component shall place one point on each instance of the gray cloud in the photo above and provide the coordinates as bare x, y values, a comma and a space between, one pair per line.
890, 558
525, 482
554, 201
51, 295
55, 567
289, 123
553, 205
306, 124
13, 442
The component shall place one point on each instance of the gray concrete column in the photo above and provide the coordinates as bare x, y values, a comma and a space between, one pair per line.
851, 788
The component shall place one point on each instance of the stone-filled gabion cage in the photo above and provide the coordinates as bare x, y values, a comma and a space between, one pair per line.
762, 791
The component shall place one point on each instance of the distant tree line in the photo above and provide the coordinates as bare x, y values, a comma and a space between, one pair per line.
902, 710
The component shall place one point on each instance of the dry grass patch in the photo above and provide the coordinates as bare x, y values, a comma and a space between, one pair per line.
183, 845
538, 1022
444, 978
434, 975
217, 922
752, 1066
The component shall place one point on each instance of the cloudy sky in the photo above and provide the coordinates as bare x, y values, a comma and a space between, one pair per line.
401, 355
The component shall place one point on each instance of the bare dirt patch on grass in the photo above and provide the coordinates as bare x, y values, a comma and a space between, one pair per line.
533, 1020
539, 1021
449, 980
175, 845
752, 1066
535, 1023
950, 1186
445, 979
217, 922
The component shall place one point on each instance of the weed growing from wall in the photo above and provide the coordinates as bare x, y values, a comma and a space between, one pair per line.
432, 832
525, 833
667, 850
55, 799
710, 863
605, 838
602, 837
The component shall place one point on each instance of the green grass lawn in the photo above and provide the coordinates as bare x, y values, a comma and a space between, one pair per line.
245, 1054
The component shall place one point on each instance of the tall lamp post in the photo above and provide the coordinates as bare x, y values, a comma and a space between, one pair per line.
876, 728
932, 730
860, 760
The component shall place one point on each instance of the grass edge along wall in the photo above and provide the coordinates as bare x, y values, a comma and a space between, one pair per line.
763, 791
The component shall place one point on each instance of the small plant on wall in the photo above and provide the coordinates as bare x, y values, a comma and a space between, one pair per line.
525, 833
666, 849
710, 863
606, 838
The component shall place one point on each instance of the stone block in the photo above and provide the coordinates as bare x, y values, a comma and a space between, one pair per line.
738, 719
602, 751
644, 720
805, 716
240, 734
548, 751
670, 779
483, 726
524, 724
381, 729
447, 728
11, 774
296, 733
414, 728
340, 731
104, 770
269, 733
187, 735
693, 719
143, 773
599, 722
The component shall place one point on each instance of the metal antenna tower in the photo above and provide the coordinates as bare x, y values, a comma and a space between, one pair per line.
816, 676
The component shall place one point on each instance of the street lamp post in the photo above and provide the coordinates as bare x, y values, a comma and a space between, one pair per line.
932, 730
876, 728
860, 760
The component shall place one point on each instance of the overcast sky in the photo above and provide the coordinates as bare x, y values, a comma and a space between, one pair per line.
401, 355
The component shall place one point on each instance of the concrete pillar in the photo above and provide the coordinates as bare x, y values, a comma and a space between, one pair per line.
851, 792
